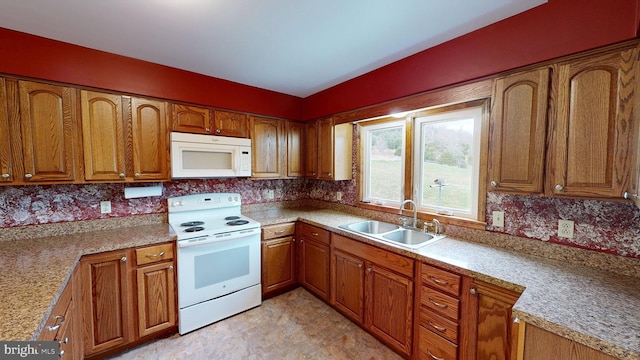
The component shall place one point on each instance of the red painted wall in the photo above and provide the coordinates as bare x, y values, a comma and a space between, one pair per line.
42, 58
557, 28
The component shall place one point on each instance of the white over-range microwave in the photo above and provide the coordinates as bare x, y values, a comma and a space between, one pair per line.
206, 156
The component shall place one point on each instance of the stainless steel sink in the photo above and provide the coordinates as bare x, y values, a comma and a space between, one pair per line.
371, 227
382, 231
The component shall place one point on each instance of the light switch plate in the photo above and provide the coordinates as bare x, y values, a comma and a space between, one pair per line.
498, 218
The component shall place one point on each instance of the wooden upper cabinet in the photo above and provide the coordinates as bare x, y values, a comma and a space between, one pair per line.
518, 132
593, 129
6, 162
103, 129
150, 139
311, 149
190, 119
48, 131
325, 149
334, 150
268, 147
228, 123
295, 136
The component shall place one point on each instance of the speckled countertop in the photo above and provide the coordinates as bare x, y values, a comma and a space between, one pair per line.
35, 271
592, 306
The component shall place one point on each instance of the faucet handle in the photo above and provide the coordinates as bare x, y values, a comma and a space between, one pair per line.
404, 220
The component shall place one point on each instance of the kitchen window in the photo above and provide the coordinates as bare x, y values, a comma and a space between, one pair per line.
437, 163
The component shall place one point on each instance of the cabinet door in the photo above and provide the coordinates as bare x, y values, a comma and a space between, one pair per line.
314, 267
278, 265
156, 298
268, 147
347, 285
49, 130
6, 170
295, 133
231, 124
325, 148
518, 132
190, 119
593, 126
106, 301
103, 136
150, 141
492, 333
311, 153
389, 307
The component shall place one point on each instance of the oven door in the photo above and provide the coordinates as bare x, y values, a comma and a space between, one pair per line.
213, 267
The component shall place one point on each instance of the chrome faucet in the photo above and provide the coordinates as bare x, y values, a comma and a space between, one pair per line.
415, 213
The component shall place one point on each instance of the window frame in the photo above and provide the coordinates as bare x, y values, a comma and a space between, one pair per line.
480, 221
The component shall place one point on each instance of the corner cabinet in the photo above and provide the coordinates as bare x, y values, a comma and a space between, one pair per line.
314, 259
374, 288
311, 149
295, 138
592, 125
334, 150
278, 259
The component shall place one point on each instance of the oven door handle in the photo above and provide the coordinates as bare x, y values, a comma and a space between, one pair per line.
205, 240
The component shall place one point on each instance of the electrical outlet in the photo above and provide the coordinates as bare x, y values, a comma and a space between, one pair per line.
565, 229
105, 207
270, 194
498, 218
339, 195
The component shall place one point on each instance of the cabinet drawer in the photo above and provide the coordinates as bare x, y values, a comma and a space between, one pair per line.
59, 315
439, 325
441, 303
276, 231
312, 232
154, 253
434, 347
440, 279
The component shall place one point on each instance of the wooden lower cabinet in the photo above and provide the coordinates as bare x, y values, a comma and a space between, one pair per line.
542, 345
125, 301
278, 259
374, 288
314, 259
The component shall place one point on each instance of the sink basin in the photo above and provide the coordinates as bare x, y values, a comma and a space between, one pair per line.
391, 233
408, 237
371, 227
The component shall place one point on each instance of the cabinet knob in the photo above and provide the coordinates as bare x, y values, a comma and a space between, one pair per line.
293, 240
472, 291
494, 183
359, 266
368, 269
124, 259
516, 320
329, 174
61, 354
217, 131
28, 176
627, 195
171, 267
301, 241
136, 175
559, 187
207, 130
121, 175
5, 176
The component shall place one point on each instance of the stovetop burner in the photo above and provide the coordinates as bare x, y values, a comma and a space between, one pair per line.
194, 229
232, 218
192, 223
237, 222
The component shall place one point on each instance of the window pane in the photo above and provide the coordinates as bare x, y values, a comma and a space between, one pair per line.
384, 163
448, 177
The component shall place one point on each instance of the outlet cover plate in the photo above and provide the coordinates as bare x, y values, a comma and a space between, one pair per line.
498, 219
339, 195
105, 207
565, 229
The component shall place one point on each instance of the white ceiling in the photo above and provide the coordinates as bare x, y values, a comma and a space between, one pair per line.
296, 47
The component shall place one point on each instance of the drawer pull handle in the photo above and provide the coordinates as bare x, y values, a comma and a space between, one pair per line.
151, 256
433, 356
438, 281
437, 327
64, 341
61, 355
279, 231
315, 234
443, 306
59, 322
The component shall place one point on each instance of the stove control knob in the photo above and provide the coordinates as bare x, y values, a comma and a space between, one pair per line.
235, 198
176, 203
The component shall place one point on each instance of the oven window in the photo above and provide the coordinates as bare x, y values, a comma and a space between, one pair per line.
196, 160
213, 268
